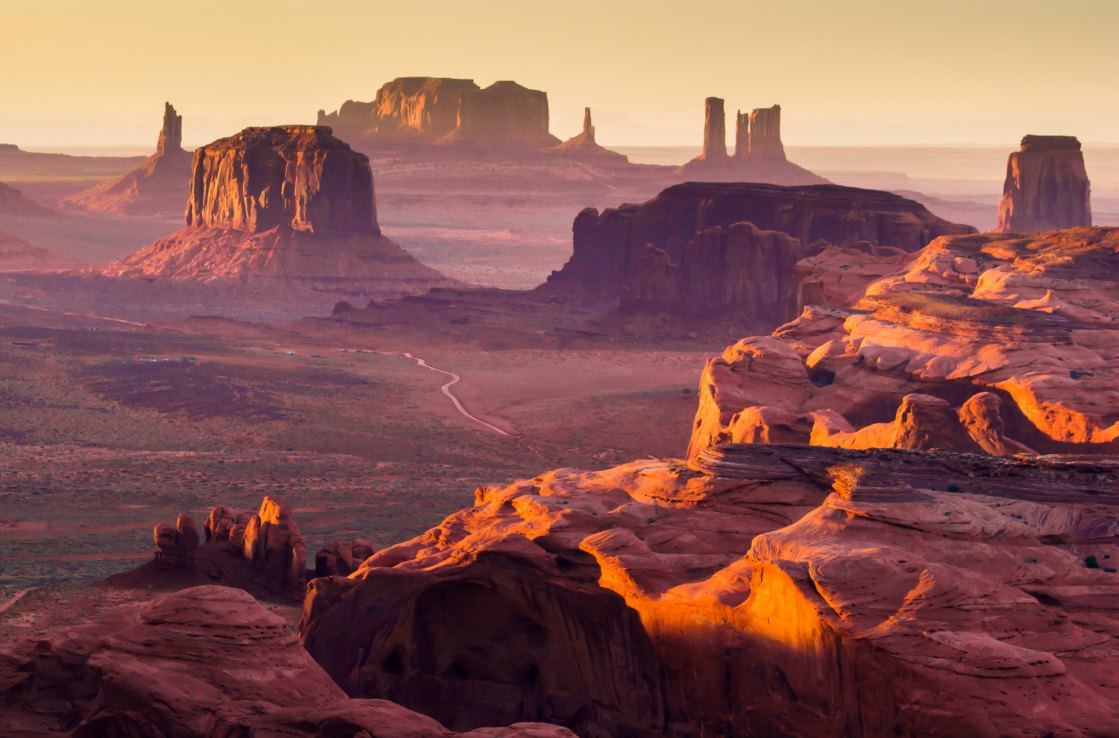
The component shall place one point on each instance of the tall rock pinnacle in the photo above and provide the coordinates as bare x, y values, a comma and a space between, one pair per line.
171, 135
714, 130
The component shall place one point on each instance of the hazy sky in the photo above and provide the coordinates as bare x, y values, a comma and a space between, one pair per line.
844, 71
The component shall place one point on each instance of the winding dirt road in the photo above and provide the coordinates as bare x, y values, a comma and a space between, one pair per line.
446, 389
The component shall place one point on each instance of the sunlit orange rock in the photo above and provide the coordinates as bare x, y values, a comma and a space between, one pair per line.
1046, 187
291, 202
159, 185
757, 590
207, 662
990, 342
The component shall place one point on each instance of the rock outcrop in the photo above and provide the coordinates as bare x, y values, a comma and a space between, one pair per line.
696, 248
159, 185
583, 147
1046, 187
207, 662
177, 545
982, 343
502, 118
291, 202
757, 590
759, 154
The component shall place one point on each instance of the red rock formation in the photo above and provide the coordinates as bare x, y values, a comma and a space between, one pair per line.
176, 546
159, 185
583, 147
291, 202
765, 134
982, 342
207, 662
714, 130
710, 258
1046, 187
425, 110
759, 590
340, 559
759, 155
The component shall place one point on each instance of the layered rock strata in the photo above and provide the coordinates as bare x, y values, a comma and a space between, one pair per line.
291, 202
757, 590
705, 248
1046, 187
983, 343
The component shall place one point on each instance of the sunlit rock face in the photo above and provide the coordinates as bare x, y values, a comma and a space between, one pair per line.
159, 185
1046, 187
289, 202
757, 590
453, 112
983, 343
207, 662
708, 248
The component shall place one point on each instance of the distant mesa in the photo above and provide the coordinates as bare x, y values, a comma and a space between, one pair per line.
709, 248
13, 202
759, 154
584, 146
504, 117
290, 202
1046, 187
15, 253
157, 186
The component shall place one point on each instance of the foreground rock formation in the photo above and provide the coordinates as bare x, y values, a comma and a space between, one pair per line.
759, 154
504, 117
207, 662
1046, 187
706, 248
291, 202
159, 185
983, 343
757, 590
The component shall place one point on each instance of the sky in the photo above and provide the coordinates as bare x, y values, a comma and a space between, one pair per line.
844, 71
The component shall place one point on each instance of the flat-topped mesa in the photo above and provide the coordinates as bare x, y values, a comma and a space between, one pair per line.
1046, 187
714, 130
157, 186
171, 135
288, 202
300, 178
429, 110
707, 238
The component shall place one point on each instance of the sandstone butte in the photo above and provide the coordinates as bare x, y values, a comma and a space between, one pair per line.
583, 147
290, 202
983, 343
454, 113
205, 662
1046, 187
698, 248
754, 590
759, 154
159, 185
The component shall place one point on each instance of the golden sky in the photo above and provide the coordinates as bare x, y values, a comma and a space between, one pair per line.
845, 71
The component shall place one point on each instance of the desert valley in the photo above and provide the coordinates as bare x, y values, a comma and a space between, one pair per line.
412, 417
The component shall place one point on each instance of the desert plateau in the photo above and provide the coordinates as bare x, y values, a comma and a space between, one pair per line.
604, 370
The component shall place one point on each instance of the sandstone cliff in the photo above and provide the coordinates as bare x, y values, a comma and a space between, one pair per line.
1046, 187
757, 590
456, 112
983, 343
207, 662
290, 202
159, 185
710, 242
